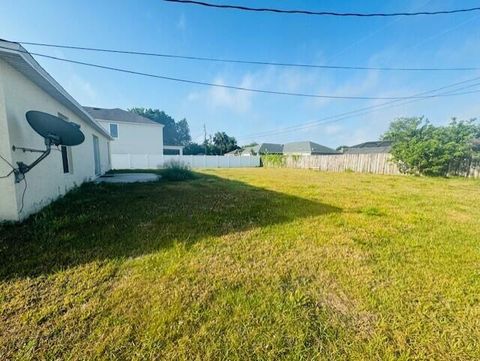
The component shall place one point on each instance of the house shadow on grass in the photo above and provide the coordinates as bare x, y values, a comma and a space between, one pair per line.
100, 221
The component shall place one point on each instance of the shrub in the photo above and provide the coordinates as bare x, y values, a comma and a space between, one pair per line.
422, 148
177, 171
273, 160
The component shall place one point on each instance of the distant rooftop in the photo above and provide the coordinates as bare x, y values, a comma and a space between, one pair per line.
118, 115
381, 146
307, 147
268, 148
262, 148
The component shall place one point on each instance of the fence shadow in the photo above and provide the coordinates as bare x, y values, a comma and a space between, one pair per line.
100, 222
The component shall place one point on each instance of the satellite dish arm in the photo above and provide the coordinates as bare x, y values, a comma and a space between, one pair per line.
24, 168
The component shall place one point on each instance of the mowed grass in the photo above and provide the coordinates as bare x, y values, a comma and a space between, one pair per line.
244, 264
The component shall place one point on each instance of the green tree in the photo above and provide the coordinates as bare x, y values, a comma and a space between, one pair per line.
224, 143
183, 132
421, 148
173, 133
194, 149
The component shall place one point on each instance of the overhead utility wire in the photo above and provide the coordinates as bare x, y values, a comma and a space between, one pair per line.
360, 111
346, 115
339, 119
232, 87
336, 119
321, 13
240, 61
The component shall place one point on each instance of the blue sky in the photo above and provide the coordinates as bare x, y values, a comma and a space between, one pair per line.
156, 26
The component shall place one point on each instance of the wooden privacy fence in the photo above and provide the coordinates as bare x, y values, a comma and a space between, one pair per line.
467, 168
377, 163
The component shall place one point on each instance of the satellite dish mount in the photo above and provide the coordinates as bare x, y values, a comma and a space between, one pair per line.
55, 131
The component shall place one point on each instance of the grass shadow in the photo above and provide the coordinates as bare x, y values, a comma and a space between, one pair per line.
107, 221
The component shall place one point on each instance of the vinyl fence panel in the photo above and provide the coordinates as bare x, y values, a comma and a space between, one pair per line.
154, 161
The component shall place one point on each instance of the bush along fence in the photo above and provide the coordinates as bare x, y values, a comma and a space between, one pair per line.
377, 163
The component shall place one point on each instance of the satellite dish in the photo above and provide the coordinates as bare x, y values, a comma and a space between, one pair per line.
55, 130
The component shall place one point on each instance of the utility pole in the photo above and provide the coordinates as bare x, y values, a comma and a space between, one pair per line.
205, 138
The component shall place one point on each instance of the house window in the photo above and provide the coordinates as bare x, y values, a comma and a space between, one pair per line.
65, 160
114, 130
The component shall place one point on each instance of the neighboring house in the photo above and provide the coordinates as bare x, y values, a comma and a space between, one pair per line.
306, 148
381, 146
294, 148
132, 133
24, 86
268, 148
173, 149
259, 149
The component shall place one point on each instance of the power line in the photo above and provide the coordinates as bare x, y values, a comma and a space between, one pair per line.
243, 61
231, 87
321, 13
360, 111
320, 123
338, 117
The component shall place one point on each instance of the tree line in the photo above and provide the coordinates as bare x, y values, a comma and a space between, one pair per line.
178, 133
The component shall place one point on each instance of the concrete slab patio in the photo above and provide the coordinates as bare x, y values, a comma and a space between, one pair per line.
128, 178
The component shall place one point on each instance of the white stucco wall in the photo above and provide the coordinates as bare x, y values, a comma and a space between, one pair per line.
46, 181
136, 138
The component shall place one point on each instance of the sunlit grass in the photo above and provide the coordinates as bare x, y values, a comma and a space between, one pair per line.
247, 264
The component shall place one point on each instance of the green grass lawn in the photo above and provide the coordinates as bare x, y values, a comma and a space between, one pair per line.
245, 264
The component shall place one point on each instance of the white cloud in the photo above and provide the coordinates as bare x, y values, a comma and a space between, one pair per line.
81, 89
239, 101
229, 99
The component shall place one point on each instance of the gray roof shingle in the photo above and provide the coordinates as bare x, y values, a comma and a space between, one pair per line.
263, 148
307, 147
381, 146
118, 115
269, 148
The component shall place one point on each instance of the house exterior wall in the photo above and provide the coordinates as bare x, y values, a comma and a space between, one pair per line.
135, 138
46, 181
8, 202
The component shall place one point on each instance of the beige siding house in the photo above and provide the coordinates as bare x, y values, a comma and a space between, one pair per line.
134, 137
24, 86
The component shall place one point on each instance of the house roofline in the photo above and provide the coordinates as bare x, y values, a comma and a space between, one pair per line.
134, 123
15, 49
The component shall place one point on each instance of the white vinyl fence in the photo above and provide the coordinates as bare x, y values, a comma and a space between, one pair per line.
152, 161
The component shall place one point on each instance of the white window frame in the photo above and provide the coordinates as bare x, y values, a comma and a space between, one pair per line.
110, 130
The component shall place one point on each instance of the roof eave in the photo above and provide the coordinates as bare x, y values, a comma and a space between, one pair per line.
19, 51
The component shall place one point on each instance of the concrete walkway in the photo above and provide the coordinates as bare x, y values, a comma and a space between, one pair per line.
128, 178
